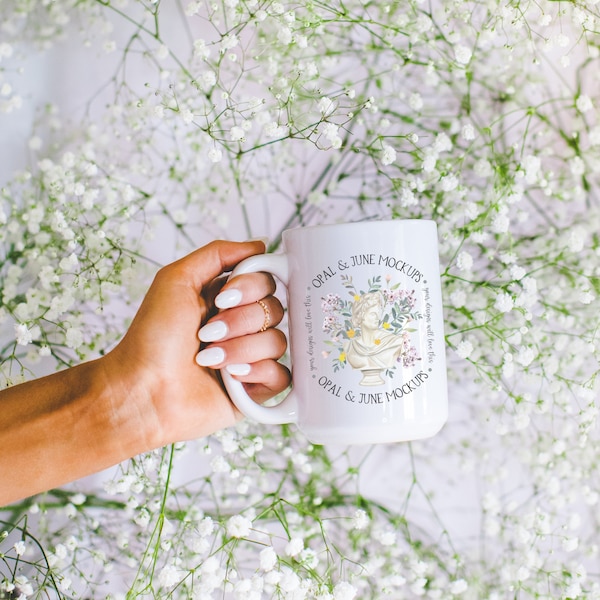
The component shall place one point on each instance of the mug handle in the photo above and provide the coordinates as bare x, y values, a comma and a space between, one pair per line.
287, 410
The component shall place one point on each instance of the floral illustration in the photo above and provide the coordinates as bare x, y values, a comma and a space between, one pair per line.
371, 330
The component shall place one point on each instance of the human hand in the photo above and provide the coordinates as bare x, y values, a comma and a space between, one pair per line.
171, 395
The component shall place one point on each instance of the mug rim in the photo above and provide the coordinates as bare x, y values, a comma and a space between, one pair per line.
386, 222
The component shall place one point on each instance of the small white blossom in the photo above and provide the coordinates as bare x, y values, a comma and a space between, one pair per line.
442, 143
570, 544
344, 591
238, 526
415, 101
504, 302
462, 54
458, 586
237, 133
360, 520
388, 155
169, 576
464, 348
74, 337
449, 182
268, 558
161, 52
464, 261
20, 548
326, 106
294, 546
215, 155
584, 103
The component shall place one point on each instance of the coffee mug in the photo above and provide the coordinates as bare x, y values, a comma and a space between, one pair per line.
365, 333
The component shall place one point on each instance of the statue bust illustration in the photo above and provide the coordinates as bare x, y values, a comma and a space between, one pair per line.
372, 349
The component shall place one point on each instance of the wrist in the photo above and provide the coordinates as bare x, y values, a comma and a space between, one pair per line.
127, 407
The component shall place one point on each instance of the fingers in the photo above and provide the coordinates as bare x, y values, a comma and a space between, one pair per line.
254, 309
270, 344
245, 289
263, 379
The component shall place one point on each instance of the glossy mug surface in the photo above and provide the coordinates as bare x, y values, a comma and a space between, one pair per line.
365, 330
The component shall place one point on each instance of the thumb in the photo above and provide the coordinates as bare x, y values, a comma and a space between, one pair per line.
205, 264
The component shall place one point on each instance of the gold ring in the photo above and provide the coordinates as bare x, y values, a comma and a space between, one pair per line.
267, 312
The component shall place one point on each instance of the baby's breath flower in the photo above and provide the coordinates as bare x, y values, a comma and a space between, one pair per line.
238, 526
388, 155
504, 302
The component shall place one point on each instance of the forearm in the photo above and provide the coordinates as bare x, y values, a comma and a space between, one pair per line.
60, 428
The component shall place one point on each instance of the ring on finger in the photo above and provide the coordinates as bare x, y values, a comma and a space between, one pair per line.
267, 312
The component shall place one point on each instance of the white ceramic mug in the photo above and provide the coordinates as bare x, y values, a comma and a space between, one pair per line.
365, 330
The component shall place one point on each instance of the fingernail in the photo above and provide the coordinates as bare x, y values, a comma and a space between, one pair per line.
228, 298
264, 240
210, 357
239, 370
214, 331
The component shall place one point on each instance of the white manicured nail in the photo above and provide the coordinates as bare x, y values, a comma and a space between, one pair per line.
264, 240
239, 370
228, 298
214, 331
210, 357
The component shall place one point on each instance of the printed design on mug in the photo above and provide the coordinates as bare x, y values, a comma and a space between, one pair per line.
372, 330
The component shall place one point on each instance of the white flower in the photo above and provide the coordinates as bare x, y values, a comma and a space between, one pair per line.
594, 136
238, 526
360, 520
192, 8
464, 261
236, 133
330, 131
526, 355
531, 165
415, 101
268, 558
284, 35
570, 543
6, 50
294, 546
576, 240
442, 143
517, 272
20, 548
344, 591
449, 182
161, 52
23, 334
274, 130
187, 116
458, 586
228, 42
483, 168
74, 337
201, 50
215, 155
142, 518
388, 155
77, 499
464, 348
69, 263
168, 576
504, 302
326, 106
468, 132
584, 103
462, 54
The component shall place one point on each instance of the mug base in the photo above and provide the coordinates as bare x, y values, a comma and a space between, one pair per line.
355, 436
